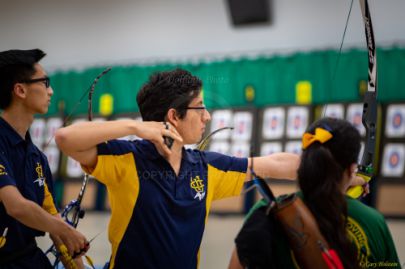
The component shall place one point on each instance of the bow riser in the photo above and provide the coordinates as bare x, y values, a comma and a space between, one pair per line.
369, 121
369, 117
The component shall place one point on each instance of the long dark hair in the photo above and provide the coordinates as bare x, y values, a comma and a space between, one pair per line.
320, 177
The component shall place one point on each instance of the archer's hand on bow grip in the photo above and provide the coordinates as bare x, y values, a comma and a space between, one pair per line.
356, 191
69, 262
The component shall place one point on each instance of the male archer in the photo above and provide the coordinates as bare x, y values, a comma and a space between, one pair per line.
160, 193
27, 206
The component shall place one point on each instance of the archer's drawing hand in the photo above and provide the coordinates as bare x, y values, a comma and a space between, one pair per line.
161, 134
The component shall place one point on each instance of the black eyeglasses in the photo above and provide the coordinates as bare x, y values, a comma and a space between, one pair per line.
45, 80
202, 109
196, 107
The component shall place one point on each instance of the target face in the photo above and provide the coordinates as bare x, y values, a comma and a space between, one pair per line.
354, 115
297, 121
335, 111
220, 119
393, 160
53, 154
293, 147
242, 122
37, 132
73, 168
395, 121
270, 148
52, 125
240, 150
273, 123
220, 147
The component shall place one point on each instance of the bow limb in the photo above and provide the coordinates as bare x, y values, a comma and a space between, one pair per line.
74, 209
75, 205
206, 140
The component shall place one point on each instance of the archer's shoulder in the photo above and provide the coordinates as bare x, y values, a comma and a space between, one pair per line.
359, 210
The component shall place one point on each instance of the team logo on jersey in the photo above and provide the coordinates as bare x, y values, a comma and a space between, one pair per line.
356, 235
197, 184
3, 171
41, 179
359, 238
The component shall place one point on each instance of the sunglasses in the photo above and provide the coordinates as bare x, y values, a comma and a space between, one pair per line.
45, 80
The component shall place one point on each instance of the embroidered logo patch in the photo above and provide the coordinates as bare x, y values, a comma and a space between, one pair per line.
359, 238
40, 180
197, 184
3, 171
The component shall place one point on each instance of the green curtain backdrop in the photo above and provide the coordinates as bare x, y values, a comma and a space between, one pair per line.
333, 78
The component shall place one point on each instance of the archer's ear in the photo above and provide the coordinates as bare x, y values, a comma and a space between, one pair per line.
19, 90
172, 117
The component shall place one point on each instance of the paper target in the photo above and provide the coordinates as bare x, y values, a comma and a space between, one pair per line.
393, 160
293, 147
270, 148
240, 150
395, 122
335, 111
242, 123
52, 154
297, 121
52, 125
37, 132
273, 123
220, 147
354, 116
73, 168
220, 119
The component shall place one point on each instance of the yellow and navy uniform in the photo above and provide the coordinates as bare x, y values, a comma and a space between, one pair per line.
158, 217
23, 165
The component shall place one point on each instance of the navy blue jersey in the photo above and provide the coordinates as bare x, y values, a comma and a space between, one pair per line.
22, 165
158, 218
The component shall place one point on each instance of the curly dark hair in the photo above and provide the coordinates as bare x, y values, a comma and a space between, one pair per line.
165, 90
16, 66
320, 177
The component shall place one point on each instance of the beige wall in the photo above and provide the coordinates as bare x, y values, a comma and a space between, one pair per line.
82, 33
